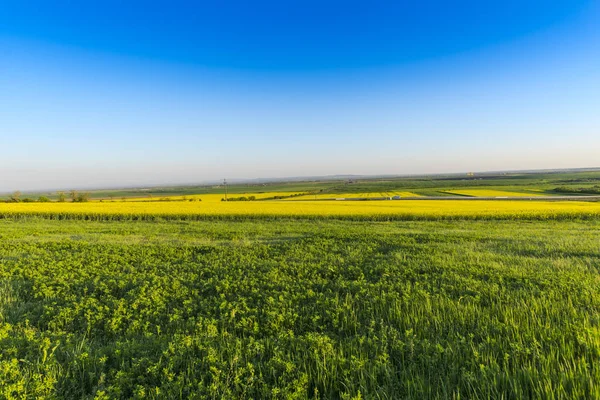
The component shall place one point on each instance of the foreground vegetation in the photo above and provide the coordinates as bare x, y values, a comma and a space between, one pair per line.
296, 308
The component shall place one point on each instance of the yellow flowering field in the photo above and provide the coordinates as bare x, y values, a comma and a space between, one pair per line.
211, 197
409, 209
404, 194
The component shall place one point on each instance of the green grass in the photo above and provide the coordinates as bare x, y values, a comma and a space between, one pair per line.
299, 309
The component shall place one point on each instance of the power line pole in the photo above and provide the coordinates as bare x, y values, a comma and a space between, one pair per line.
225, 183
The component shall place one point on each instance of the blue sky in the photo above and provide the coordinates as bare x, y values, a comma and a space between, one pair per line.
104, 94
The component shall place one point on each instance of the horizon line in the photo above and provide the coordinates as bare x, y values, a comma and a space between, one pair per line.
308, 178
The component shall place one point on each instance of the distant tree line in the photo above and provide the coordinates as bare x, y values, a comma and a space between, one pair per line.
74, 196
184, 198
242, 198
162, 199
588, 190
253, 198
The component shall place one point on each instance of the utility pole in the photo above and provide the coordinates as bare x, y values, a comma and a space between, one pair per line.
225, 183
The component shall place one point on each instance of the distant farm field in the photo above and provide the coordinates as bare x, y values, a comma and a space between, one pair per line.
326, 195
208, 197
493, 193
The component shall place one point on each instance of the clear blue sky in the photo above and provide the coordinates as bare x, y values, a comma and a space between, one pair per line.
133, 93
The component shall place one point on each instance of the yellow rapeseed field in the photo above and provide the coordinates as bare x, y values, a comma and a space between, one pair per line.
390, 208
404, 194
212, 197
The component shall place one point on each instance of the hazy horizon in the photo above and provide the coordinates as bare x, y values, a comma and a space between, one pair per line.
280, 179
193, 93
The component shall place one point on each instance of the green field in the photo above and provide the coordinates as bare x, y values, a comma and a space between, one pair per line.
297, 299
577, 182
294, 308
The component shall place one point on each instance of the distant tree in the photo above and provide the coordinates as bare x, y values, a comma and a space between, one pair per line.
15, 197
43, 199
83, 197
61, 197
73, 195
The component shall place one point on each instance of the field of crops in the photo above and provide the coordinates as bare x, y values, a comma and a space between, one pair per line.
530, 183
208, 197
330, 195
295, 308
172, 297
390, 209
494, 193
